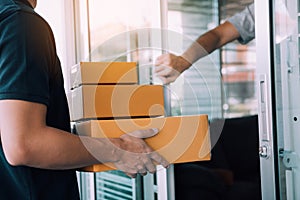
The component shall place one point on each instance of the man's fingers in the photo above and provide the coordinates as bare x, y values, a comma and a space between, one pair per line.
150, 166
166, 79
159, 159
165, 72
131, 175
168, 72
142, 170
163, 79
170, 79
129, 169
138, 157
158, 61
159, 68
165, 58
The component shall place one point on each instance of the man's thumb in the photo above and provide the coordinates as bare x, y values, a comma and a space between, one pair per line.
144, 133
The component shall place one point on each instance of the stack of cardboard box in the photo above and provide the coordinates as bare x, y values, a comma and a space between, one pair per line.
106, 101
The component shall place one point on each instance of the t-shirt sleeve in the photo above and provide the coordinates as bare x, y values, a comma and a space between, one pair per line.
25, 58
244, 22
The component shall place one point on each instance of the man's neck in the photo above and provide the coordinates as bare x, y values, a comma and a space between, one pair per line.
32, 3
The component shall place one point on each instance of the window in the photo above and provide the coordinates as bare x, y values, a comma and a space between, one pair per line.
117, 30
198, 90
238, 69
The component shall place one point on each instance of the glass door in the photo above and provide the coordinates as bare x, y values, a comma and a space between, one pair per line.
111, 31
277, 39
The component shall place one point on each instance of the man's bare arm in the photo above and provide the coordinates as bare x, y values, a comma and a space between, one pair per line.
170, 66
210, 41
27, 140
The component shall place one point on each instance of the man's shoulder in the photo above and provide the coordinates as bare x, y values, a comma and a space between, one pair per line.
20, 15
9, 8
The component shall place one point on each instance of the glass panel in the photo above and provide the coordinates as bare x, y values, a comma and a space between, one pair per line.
111, 23
238, 72
198, 90
238, 69
201, 89
123, 31
127, 32
287, 86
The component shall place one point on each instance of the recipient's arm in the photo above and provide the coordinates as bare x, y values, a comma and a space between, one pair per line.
170, 66
210, 41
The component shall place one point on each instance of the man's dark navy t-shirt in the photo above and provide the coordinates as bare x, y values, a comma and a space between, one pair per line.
30, 71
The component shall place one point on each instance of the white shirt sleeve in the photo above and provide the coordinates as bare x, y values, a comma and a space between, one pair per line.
244, 22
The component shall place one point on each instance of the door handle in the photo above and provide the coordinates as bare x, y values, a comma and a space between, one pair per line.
264, 112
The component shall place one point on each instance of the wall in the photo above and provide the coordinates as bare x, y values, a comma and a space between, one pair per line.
59, 16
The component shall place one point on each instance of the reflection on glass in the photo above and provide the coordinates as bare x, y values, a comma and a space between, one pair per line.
198, 90
121, 31
286, 69
110, 18
284, 24
238, 66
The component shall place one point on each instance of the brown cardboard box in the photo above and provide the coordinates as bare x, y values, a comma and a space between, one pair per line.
180, 139
107, 101
86, 73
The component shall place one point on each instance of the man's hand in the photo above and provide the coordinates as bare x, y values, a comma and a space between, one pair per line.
135, 156
27, 141
170, 66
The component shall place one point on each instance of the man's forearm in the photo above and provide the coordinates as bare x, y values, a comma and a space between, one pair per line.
56, 149
28, 141
210, 41
204, 45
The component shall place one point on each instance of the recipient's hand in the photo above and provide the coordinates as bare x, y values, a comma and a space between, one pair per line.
135, 156
170, 66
